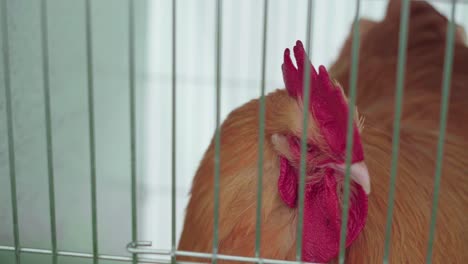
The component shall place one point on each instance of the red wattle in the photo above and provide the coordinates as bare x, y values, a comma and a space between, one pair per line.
322, 213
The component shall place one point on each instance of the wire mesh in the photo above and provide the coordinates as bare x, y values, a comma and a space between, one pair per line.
174, 130
92, 140
95, 256
448, 63
131, 69
305, 126
81, 255
261, 134
403, 38
50, 165
350, 130
10, 132
217, 159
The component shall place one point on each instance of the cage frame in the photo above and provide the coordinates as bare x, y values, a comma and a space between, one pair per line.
136, 247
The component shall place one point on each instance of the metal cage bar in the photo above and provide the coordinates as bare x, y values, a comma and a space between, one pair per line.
133, 247
174, 129
400, 78
305, 119
261, 133
217, 159
349, 135
131, 75
92, 141
11, 140
84, 255
447, 75
150, 251
50, 164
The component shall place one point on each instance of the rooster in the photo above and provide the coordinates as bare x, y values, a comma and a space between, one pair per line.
419, 134
418, 145
326, 145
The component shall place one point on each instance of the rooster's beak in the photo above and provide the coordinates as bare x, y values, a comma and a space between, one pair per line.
359, 174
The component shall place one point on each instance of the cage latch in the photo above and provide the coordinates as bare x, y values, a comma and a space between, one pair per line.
133, 247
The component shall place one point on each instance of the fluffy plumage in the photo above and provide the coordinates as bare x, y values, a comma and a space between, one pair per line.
419, 134
328, 112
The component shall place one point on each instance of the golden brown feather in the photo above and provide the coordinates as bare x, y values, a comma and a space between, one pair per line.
419, 134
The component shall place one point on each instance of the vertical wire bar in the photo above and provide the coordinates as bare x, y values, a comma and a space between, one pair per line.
50, 164
11, 143
304, 136
174, 123
131, 72
92, 145
217, 159
448, 63
400, 78
261, 136
349, 134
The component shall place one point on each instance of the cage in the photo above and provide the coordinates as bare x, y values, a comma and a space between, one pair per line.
108, 105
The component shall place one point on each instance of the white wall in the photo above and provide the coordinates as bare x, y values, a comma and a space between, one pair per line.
69, 105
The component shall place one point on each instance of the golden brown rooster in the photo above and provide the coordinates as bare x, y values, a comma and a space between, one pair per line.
325, 157
419, 133
326, 138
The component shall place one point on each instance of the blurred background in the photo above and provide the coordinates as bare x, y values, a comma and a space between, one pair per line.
241, 69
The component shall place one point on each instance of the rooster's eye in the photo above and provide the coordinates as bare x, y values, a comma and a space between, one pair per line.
310, 146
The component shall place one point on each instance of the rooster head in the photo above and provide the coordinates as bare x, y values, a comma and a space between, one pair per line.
325, 160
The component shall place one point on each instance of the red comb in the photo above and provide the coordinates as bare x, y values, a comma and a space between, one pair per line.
327, 103
293, 77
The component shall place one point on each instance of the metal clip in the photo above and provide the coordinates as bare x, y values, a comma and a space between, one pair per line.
132, 247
